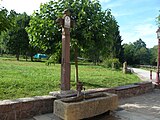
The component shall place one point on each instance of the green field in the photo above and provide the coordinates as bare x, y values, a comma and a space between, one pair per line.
25, 79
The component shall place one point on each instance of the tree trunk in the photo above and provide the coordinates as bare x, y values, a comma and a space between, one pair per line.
26, 56
17, 56
31, 55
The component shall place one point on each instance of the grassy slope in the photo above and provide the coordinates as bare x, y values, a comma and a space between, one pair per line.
23, 79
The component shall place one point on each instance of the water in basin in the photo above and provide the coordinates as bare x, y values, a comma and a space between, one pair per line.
83, 97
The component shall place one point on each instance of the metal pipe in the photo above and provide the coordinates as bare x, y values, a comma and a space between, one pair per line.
150, 74
158, 63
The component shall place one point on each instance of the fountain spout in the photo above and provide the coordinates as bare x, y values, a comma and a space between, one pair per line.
84, 94
79, 88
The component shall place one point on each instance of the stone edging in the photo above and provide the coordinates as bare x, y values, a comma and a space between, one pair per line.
25, 107
28, 107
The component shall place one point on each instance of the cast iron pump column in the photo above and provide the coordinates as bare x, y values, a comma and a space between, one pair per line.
66, 23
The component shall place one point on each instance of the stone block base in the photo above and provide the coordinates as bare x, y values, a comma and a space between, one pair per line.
75, 109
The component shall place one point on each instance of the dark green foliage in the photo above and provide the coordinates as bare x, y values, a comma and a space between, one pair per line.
5, 20
54, 58
43, 28
18, 42
129, 53
153, 55
136, 53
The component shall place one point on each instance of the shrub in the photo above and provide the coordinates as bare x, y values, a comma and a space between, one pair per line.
112, 63
52, 59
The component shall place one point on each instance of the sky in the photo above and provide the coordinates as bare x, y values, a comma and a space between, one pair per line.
136, 18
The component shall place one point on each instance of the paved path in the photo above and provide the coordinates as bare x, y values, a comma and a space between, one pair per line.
146, 106
144, 74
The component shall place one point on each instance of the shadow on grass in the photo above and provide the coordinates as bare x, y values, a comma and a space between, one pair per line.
24, 60
84, 64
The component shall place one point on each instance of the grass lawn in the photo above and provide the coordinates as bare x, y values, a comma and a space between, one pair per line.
25, 79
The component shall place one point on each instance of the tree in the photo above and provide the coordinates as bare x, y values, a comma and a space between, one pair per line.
141, 54
10, 21
129, 53
91, 31
153, 55
139, 44
136, 53
106, 42
18, 42
115, 41
5, 21
43, 30
3, 40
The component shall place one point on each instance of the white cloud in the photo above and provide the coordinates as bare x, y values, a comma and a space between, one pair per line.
120, 14
145, 29
113, 5
22, 5
147, 32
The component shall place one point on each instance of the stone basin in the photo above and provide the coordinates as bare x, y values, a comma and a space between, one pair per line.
85, 106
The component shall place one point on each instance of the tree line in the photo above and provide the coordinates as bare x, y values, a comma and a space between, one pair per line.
137, 53
96, 33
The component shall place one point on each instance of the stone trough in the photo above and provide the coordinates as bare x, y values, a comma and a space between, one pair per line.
85, 106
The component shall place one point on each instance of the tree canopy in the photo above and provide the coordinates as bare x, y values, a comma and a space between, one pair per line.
5, 20
16, 39
137, 53
153, 55
18, 42
96, 31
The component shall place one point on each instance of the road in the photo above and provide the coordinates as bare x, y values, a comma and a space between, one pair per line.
144, 75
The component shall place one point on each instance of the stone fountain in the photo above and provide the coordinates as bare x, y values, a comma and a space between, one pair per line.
85, 105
